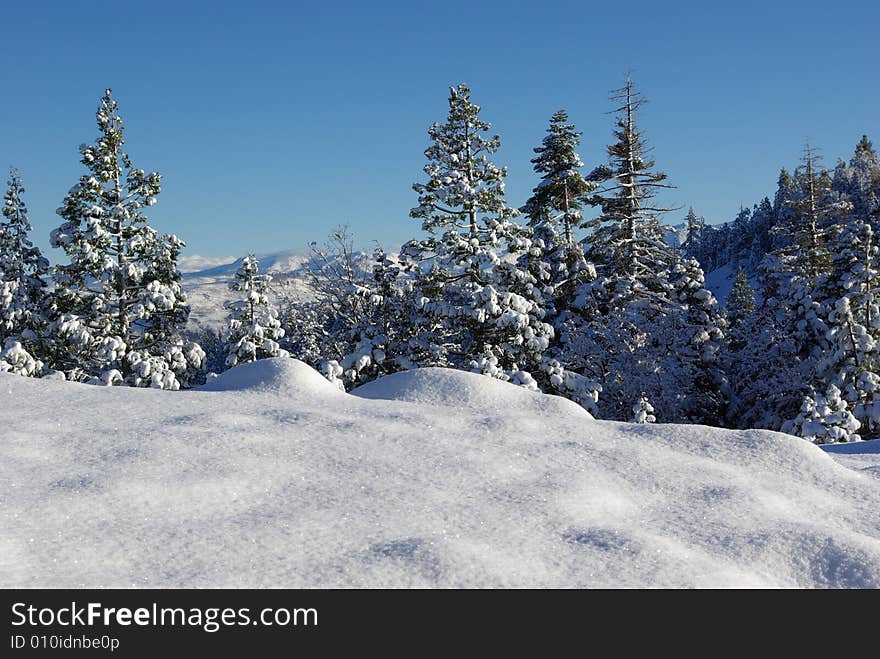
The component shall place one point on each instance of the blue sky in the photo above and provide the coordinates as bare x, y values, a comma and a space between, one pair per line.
273, 122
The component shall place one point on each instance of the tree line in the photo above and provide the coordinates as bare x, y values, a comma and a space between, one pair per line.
599, 309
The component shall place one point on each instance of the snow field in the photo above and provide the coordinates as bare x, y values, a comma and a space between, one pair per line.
270, 477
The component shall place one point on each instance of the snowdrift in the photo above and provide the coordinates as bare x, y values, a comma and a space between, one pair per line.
289, 377
445, 387
269, 477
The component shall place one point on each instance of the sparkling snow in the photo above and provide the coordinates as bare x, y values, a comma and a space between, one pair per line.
269, 476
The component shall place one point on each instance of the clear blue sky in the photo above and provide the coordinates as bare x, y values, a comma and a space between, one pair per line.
272, 122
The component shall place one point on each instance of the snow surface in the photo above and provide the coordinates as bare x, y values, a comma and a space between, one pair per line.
720, 282
269, 477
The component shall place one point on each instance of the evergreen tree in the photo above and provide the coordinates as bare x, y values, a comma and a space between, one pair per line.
555, 259
762, 224
768, 376
118, 305
626, 239
803, 222
693, 333
740, 239
825, 419
22, 273
811, 232
692, 247
783, 205
253, 325
634, 317
476, 307
740, 301
859, 182
378, 341
559, 197
852, 359
642, 412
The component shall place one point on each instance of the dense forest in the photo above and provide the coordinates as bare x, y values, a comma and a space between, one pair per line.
575, 293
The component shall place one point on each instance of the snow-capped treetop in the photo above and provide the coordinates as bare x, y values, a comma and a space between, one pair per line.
248, 279
462, 181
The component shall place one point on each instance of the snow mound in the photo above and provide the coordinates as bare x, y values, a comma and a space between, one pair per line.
459, 389
280, 375
268, 480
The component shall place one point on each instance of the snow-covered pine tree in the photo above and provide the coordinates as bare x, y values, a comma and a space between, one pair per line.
695, 227
480, 310
783, 206
22, 279
555, 259
119, 309
802, 226
692, 331
378, 340
620, 342
563, 190
626, 239
739, 246
790, 274
642, 412
740, 300
852, 311
253, 326
811, 234
768, 375
762, 240
825, 419
858, 181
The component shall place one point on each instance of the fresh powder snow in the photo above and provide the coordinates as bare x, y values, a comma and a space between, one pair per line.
271, 477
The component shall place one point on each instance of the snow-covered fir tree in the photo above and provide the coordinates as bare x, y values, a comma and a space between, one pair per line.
858, 181
803, 222
739, 245
767, 373
119, 309
642, 412
634, 316
23, 271
377, 342
692, 330
800, 260
627, 239
740, 300
253, 328
479, 309
555, 259
559, 197
695, 227
825, 419
851, 361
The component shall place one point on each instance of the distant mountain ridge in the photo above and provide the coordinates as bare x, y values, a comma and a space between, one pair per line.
276, 262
